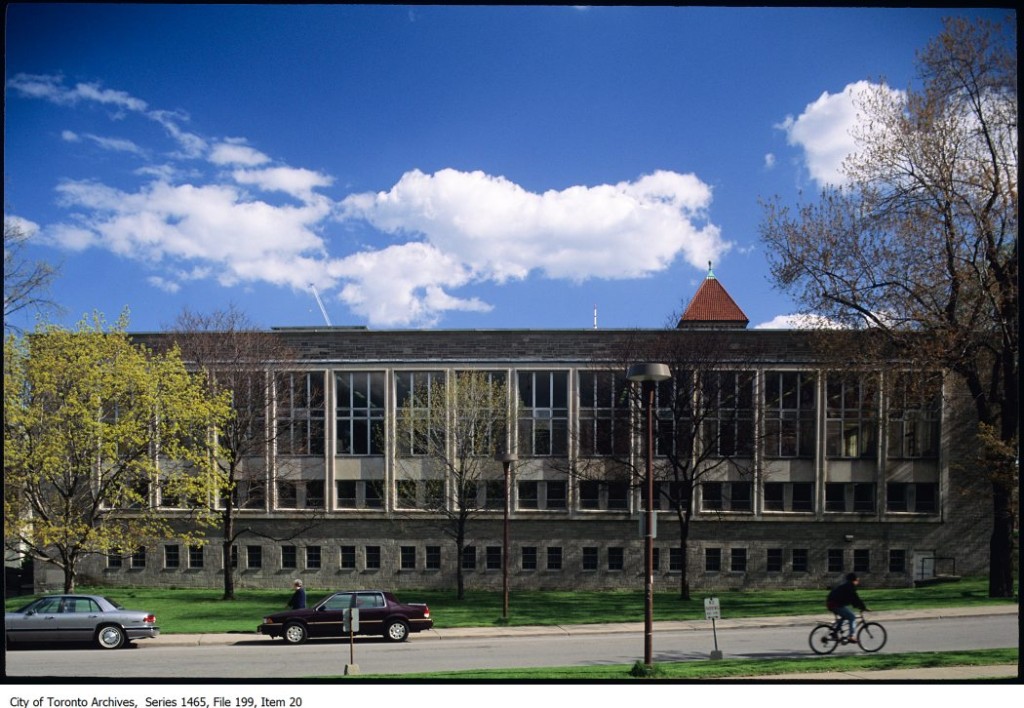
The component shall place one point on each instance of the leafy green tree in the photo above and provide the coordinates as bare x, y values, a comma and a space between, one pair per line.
920, 242
96, 431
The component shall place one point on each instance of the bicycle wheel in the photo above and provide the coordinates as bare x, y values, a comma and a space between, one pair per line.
871, 636
823, 639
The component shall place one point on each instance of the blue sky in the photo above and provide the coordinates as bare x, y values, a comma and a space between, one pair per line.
428, 166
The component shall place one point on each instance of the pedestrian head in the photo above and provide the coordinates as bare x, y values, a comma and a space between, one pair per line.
298, 584
851, 577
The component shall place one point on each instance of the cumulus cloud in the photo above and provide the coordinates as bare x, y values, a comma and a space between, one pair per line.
219, 208
500, 230
800, 322
825, 131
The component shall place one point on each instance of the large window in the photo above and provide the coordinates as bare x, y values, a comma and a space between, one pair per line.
612, 496
789, 496
726, 496
543, 413
300, 413
915, 407
851, 416
789, 414
359, 494
360, 409
604, 414
858, 497
415, 393
482, 400
728, 400
914, 497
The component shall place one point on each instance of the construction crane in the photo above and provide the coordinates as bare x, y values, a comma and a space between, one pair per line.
323, 310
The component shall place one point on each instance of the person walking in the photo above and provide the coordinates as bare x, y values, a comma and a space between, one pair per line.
842, 597
298, 598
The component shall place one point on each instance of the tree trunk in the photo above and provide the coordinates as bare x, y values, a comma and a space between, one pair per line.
1000, 577
684, 578
69, 578
229, 570
460, 582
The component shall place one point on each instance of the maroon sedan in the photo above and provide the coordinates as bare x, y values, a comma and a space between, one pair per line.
379, 613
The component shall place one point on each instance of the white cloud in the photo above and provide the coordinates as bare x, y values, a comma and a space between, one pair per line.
501, 231
769, 161
297, 182
27, 228
825, 131
800, 322
168, 286
235, 152
206, 209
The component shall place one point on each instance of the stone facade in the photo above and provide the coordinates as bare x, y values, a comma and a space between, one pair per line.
920, 514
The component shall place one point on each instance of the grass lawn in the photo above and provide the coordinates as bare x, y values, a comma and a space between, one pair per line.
184, 611
727, 668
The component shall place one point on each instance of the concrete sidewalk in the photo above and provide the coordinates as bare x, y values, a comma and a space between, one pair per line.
952, 673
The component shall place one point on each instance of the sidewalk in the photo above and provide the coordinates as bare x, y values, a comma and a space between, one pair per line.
953, 673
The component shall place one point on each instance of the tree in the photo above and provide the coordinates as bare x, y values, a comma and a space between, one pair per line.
273, 416
448, 434
26, 283
920, 242
704, 425
95, 428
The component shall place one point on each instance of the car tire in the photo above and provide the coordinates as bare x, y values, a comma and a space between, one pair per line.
295, 633
396, 631
110, 637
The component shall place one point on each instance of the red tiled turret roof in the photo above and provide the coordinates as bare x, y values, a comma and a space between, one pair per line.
712, 305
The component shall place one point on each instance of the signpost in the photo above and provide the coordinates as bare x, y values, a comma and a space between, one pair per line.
350, 624
713, 611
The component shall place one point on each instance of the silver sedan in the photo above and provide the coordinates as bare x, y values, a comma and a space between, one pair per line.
79, 618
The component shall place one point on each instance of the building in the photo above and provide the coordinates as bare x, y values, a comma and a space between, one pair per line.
809, 470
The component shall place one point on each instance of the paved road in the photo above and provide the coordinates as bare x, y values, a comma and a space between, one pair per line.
250, 656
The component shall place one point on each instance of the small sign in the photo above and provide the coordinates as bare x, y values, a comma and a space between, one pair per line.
350, 620
712, 610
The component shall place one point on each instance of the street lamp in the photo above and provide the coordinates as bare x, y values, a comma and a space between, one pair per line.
506, 461
648, 375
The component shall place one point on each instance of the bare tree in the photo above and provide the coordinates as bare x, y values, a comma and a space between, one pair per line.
276, 414
447, 436
920, 244
26, 282
704, 428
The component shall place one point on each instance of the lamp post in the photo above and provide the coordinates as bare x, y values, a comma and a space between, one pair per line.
506, 462
648, 375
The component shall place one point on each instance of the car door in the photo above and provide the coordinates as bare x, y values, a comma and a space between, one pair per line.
78, 619
372, 609
329, 616
37, 624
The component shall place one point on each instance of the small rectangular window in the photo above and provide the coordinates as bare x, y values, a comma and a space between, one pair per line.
172, 556
289, 557
589, 558
897, 560
139, 558
738, 560
408, 558
773, 560
195, 556
617, 559
712, 560
493, 557
372, 557
675, 560
312, 557
554, 557
835, 560
253, 556
861, 560
469, 558
348, 558
800, 560
529, 557
433, 560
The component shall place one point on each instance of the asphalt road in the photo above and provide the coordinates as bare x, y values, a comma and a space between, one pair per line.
262, 658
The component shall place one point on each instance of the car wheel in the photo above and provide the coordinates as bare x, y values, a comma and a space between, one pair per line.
110, 637
295, 633
397, 631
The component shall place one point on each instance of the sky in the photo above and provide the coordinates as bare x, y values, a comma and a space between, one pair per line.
444, 167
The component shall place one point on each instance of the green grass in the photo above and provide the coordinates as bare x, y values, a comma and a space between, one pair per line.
727, 668
185, 611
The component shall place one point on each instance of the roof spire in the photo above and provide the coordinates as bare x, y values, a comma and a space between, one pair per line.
712, 306
711, 273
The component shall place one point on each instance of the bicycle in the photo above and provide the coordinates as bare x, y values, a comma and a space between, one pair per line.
824, 638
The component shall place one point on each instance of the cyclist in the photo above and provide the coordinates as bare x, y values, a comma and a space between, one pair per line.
842, 597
